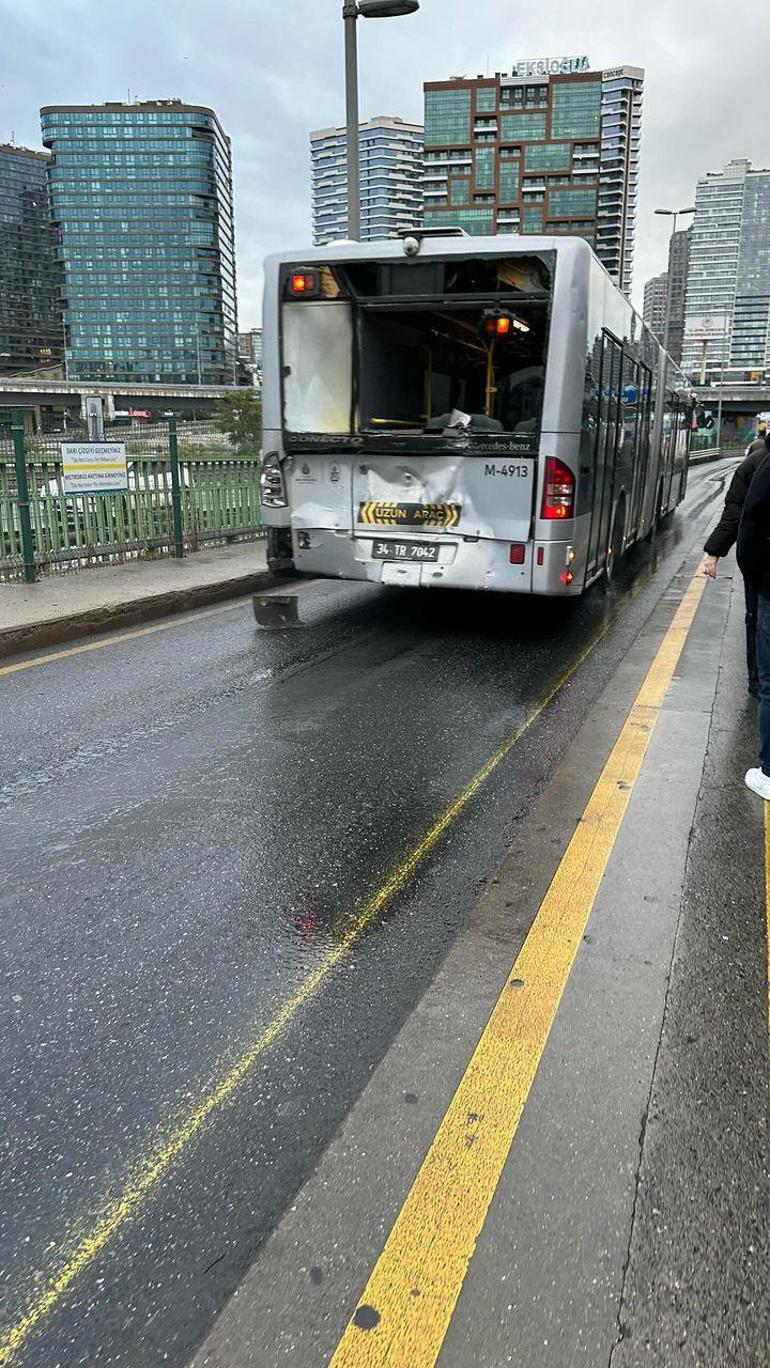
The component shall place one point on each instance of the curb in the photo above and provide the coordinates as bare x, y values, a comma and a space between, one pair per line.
703, 457
30, 636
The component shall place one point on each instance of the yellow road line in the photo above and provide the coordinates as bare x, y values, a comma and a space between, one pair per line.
117, 637
767, 902
405, 1309
80, 1252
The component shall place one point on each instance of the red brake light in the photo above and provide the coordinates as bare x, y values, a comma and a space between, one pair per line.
558, 490
518, 552
304, 284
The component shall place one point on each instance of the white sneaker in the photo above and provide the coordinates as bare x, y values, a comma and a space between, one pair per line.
759, 782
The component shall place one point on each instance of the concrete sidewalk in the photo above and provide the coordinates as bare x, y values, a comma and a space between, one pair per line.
82, 602
631, 1222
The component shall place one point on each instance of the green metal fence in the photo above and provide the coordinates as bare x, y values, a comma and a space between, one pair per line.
707, 441
186, 486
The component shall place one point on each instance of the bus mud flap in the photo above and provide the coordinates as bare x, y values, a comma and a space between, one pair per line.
275, 612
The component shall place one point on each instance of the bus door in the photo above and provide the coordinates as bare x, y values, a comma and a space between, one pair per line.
605, 450
670, 421
642, 448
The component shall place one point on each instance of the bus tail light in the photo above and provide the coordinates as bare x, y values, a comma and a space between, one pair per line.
558, 490
304, 284
272, 483
518, 552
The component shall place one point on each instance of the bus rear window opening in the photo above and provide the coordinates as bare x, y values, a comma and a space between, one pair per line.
400, 370
417, 367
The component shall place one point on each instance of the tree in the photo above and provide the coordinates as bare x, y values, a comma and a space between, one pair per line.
239, 414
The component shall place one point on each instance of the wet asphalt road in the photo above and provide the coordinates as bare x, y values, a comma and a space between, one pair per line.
189, 822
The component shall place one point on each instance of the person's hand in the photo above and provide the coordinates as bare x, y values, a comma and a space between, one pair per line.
709, 567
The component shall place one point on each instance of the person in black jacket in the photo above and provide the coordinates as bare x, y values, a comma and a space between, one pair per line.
754, 561
725, 535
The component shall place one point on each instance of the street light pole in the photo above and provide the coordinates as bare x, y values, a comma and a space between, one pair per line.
667, 324
660, 397
672, 214
718, 443
350, 15
351, 10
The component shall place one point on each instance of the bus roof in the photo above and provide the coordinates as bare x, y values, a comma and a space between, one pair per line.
438, 245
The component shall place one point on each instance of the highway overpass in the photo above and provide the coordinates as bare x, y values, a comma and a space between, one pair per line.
59, 396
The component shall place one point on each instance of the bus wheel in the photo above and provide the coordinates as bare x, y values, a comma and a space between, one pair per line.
616, 546
279, 554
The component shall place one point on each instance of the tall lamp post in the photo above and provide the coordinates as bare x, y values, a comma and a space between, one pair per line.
367, 9
660, 398
673, 214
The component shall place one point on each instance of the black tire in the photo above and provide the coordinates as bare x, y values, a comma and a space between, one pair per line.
279, 552
617, 539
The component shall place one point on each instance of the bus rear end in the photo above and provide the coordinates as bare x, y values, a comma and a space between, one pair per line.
403, 417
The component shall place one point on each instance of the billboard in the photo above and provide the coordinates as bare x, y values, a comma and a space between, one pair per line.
707, 327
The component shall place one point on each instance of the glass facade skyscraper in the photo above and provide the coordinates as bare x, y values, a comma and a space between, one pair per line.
142, 200
727, 314
543, 150
391, 170
30, 313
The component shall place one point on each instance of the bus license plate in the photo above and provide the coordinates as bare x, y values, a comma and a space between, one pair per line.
405, 551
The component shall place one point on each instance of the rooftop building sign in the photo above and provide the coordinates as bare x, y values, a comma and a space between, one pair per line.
551, 66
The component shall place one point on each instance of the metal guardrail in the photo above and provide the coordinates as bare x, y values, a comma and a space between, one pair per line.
186, 486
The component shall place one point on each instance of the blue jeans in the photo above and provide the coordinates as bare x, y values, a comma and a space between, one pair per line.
751, 635
763, 664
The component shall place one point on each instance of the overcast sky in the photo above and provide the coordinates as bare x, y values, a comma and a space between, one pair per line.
272, 69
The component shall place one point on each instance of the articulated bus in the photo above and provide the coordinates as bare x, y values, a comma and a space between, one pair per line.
456, 412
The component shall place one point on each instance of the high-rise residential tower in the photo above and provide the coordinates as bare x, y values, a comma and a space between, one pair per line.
391, 171
678, 258
727, 315
551, 148
654, 310
142, 199
30, 315
250, 353
656, 295
250, 346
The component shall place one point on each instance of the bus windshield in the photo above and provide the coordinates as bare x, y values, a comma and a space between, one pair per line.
395, 349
